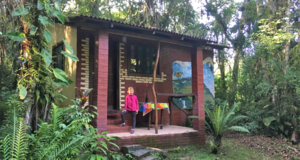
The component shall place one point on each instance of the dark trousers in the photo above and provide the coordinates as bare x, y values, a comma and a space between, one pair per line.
133, 114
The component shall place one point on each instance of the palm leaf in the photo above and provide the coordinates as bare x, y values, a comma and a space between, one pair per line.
239, 128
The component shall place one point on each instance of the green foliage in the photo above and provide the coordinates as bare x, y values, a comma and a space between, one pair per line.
14, 145
67, 135
47, 57
37, 81
221, 118
213, 147
267, 121
20, 11
16, 36
23, 92
270, 83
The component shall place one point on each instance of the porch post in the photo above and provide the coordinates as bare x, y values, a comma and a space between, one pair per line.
198, 89
102, 80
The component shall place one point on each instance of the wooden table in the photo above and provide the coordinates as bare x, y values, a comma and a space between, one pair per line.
146, 108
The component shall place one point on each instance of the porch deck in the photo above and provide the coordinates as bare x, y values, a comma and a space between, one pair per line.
168, 137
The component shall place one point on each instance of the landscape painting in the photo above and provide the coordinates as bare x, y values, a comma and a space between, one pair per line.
182, 82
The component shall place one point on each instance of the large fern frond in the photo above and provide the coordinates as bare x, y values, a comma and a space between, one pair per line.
56, 117
14, 145
76, 144
19, 150
6, 147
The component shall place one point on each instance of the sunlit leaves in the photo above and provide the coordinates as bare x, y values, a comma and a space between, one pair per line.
68, 46
60, 16
22, 91
70, 49
47, 35
47, 57
57, 5
60, 74
44, 20
21, 11
72, 56
16, 36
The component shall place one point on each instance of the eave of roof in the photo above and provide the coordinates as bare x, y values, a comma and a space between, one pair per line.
208, 42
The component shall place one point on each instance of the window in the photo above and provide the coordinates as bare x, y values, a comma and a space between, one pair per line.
142, 59
58, 58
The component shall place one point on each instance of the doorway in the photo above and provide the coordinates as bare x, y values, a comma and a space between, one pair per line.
113, 77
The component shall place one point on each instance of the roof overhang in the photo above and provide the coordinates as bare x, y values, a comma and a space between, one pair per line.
117, 25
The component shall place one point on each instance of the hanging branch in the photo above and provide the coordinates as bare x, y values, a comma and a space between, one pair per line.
153, 88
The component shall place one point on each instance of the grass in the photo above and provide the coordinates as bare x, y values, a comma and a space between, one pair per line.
229, 151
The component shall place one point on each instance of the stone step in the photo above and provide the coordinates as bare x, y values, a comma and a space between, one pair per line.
139, 154
149, 158
131, 148
158, 151
117, 129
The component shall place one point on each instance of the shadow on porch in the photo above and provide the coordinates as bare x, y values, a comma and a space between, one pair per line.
168, 137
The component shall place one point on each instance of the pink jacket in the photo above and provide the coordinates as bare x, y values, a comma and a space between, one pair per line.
131, 103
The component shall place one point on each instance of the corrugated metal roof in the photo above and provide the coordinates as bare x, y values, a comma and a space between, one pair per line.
143, 27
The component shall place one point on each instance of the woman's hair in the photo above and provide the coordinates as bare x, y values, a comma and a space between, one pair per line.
130, 88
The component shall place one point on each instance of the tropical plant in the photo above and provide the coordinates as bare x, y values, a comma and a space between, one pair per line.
221, 118
67, 135
15, 145
213, 147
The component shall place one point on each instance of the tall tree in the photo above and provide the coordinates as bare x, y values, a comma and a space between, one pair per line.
236, 29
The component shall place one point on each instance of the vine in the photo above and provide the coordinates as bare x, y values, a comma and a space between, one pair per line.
38, 81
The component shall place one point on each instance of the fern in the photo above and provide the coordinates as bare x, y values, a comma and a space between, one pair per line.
14, 145
75, 143
19, 150
6, 147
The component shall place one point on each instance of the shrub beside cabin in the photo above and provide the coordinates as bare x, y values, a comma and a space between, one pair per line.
115, 55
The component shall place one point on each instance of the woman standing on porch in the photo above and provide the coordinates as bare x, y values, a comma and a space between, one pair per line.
132, 107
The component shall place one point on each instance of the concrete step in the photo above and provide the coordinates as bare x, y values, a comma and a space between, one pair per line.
149, 158
117, 129
139, 154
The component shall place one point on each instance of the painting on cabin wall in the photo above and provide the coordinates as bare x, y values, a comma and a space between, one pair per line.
209, 79
182, 82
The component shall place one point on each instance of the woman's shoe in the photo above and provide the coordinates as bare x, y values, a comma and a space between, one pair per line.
132, 131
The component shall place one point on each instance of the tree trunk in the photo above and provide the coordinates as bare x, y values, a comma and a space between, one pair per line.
153, 88
218, 140
221, 66
234, 79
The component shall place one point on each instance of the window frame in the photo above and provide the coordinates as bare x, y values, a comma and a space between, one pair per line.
144, 44
63, 57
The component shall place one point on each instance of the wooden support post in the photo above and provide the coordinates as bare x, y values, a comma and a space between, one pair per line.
153, 88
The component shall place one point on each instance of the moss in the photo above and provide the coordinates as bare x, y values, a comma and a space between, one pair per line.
152, 142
